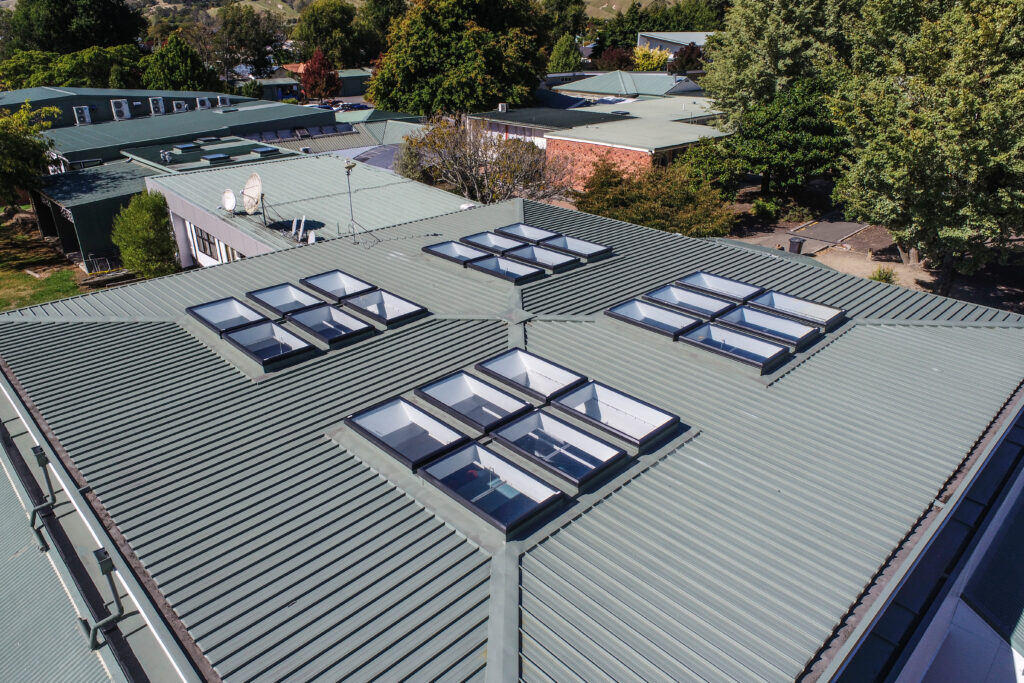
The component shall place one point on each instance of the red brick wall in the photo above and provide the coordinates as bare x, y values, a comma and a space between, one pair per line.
583, 156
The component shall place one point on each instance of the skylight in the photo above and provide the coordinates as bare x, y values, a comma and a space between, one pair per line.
773, 327
268, 343
491, 486
385, 307
225, 314
473, 401
513, 271
283, 298
558, 447
531, 374
330, 325
577, 247
816, 314
456, 251
743, 347
336, 285
407, 433
722, 286
554, 261
689, 301
526, 233
488, 241
617, 413
653, 318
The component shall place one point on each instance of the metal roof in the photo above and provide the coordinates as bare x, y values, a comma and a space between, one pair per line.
548, 118
629, 84
357, 139
355, 73
277, 81
289, 549
98, 183
680, 37
46, 94
638, 134
677, 108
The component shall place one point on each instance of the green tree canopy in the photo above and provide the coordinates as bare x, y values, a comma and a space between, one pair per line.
564, 16
251, 88
176, 66
459, 55
319, 77
94, 67
373, 22
247, 37
24, 156
142, 233
566, 56
73, 25
659, 15
328, 25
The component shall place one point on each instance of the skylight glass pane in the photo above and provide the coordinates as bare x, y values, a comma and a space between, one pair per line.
743, 347
774, 327
557, 446
284, 298
488, 241
697, 304
385, 307
490, 486
620, 414
651, 317
529, 373
329, 324
456, 251
225, 314
337, 285
513, 271
526, 233
819, 314
268, 342
470, 399
722, 286
406, 432
545, 258
576, 247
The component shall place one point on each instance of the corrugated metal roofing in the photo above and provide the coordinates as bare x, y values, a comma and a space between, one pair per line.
90, 185
733, 555
677, 108
45, 94
638, 134
357, 139
680, 37
628, 84
548, 118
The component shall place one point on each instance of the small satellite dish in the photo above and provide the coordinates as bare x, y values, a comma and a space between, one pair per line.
227, 200
252, 193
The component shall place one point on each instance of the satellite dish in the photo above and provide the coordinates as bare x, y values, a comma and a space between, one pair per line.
252, 193
227, 200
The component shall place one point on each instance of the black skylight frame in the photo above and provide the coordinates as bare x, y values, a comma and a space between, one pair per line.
524, 232
194, 311
269, 362
684, 326
557, 497
336, 338
332, 295
423, 392
298, 292
671, 421
352, 421
186, 146
729, 319
483, 240
482, 367
828, 323
436, 250
552, 243
417, 312
218, 156
694, 309
756, 290
492, 263
767, 365
564, 261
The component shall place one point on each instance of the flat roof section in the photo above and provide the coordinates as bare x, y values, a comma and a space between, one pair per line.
638, 134
547, 118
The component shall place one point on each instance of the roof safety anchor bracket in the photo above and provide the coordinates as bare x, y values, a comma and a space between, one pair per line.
48, 502
107, 569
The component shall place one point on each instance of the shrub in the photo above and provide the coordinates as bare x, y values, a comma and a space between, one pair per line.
884, 274
766, 208
142, 233
650, 59
290, 100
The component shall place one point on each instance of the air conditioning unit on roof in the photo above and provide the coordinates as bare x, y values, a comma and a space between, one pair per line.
180, 106
82, 116
156, 106
120, 109
202, 103
223, 100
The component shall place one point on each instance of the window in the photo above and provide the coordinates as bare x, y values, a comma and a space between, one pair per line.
268, 343
224, 315
232, 255
532, 374
513, 271
474, 401
283, 298
406, 432
617, 413
651, 317
385, 307
743, 347
206, 243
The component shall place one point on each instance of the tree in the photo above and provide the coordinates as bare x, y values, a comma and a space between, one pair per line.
24, 148
621, 30
714, 161
663, 198
687, 58
247, 37
649, 59
565, 57
564, 16
459, 55
6, 34
327, 25
73, 25
319, 78
94, 67
142, 233
373, 22
460, 153
615, 59
251, 88
936, 132
176, 66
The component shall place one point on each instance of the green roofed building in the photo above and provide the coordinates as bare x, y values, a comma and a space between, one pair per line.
264, 523
628, 84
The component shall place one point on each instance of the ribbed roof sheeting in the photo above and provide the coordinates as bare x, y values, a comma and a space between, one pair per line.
648, 258
285, 556
737, 555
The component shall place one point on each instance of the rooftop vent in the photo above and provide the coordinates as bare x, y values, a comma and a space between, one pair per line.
405, 432
531, 374
473, 401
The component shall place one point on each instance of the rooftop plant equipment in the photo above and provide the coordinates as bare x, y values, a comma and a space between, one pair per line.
577, 247
456, 251
554, 261
720, 286
491, 486
336, 285
488, 241
743, 347
224, 315
531, 374
688, 301
328, 324
268, 343
800, 309
525, 233
771, 327
385, 307
558, 447
405, 432
619, 414
473, 401
283, 298
653, 318
513, 271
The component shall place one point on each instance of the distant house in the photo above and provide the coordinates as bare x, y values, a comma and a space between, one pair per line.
672, 40
628, 84
277, 89
352, 82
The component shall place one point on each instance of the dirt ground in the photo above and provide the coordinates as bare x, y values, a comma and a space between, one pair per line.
23, 250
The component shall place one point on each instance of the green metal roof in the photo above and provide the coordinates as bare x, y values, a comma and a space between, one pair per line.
239, 149
361, 115
289, 548
359, 138
676, 108
680, 37
638, 134
550, 119
277, 81
98, 183
45, 95
354, 73
627, 84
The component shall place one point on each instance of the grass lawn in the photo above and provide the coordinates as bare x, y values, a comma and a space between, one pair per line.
20, 250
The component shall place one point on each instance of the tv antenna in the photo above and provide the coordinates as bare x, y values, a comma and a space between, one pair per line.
227, 201
353, 224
